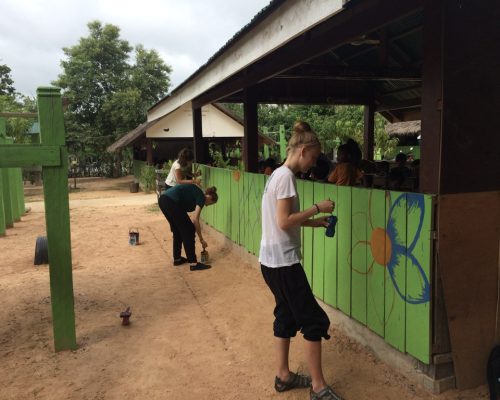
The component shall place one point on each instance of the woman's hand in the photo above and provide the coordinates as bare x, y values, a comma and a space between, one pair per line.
321, 222
204, 244
326, 206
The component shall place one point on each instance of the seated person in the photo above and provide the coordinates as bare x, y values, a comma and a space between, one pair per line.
269, 166
345, 173
322, 168
400, 173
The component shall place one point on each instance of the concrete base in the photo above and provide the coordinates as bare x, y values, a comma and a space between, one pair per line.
428, 376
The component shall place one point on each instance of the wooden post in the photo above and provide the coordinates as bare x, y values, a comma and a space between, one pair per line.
369, 132
2, 208
282, 143
149, 151
199, 151
266, 147
432, 86
251, 138
20, 193
13, 189
55, 185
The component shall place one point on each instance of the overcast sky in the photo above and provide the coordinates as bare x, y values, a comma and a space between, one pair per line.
184, 32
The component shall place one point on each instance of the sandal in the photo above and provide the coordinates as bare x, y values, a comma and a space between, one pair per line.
295, 381
325, 394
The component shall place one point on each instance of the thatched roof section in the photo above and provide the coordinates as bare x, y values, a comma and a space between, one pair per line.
403, 128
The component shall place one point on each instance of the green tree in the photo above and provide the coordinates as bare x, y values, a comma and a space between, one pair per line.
333, 124
107, 95
17, 127
6, 82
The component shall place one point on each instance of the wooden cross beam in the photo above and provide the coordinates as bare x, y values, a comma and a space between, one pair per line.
24, 156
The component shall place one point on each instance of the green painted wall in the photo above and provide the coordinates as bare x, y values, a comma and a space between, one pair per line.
376, 268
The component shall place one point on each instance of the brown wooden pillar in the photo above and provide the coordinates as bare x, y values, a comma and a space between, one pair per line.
250, 140
149, 151
199, 151
460, 141
369, 132
432, 87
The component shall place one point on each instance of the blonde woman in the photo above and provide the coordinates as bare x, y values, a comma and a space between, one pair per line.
296, 307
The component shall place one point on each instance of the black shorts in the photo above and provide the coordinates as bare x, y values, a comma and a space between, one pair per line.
296, 307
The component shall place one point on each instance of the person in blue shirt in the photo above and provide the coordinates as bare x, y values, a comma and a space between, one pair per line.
175, 203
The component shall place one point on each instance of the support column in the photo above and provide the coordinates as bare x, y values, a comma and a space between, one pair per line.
55, 188
149, 151
369, 132
460, 125
199, 150
432, 87
2, 208
251, 138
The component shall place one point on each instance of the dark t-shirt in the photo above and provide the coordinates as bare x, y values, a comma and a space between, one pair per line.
188, 196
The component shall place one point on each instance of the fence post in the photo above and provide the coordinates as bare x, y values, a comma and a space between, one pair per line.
282, 143
13, 189
2, 208
20, 193
4, 172
55, 187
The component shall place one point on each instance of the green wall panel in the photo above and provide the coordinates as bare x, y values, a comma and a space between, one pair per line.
318, 247
376, 268
376, 260
359, 253
235, 206
259, 183
300, 192
344, 249
330, 274
308, 233
395, 282
418, 273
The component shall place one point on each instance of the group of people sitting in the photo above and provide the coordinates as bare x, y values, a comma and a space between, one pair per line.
350, 169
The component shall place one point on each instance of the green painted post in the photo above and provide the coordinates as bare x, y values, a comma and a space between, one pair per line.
4, 172
318, 247
55, 187
13, 189
266, 147
20, 193
3, 224
282, 143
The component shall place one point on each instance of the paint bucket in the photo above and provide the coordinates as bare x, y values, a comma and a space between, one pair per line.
134, 187
133, 236
204, 256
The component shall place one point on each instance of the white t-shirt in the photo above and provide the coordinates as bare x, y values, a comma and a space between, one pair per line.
278, 247
171, 178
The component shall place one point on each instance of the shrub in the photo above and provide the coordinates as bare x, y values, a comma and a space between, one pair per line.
148, 178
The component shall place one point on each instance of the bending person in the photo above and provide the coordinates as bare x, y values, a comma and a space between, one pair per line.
175, 203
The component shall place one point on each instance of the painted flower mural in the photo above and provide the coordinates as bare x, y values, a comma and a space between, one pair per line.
393, 247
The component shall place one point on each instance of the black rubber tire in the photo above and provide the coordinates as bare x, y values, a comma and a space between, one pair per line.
41, 251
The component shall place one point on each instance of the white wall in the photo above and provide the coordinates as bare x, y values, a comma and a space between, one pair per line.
179, 124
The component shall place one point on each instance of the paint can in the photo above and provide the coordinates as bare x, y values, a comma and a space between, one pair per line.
133, 236
204, 256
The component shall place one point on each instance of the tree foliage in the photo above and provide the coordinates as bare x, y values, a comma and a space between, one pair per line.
333, 124
107, 95
6, 82
11, 101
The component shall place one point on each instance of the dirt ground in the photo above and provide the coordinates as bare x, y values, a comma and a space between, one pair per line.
193, 335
